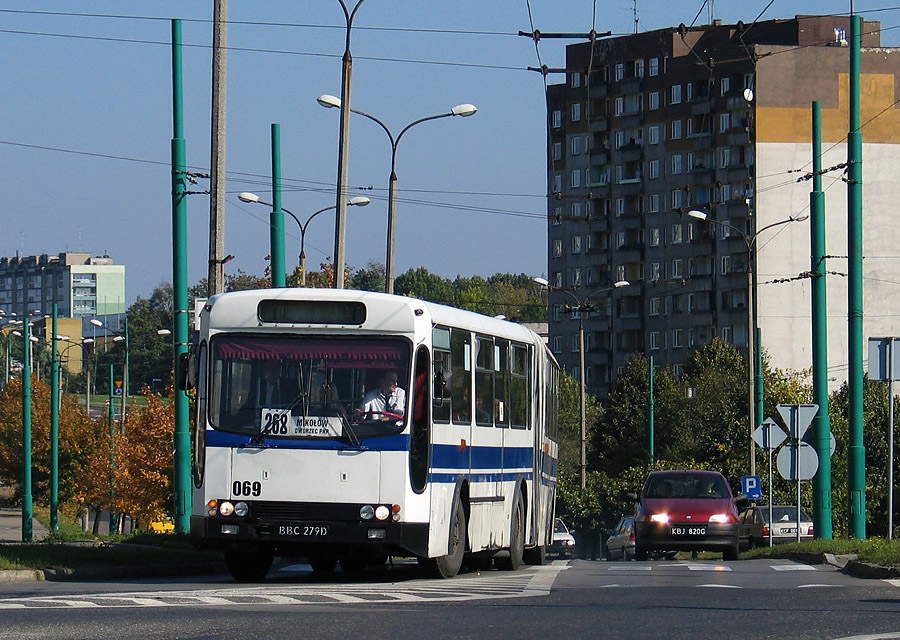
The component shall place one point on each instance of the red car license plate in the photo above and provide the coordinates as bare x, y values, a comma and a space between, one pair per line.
688, 531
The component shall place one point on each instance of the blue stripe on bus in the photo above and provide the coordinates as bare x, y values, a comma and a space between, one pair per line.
451, 478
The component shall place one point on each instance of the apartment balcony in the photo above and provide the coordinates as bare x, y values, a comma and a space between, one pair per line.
630, 85
737, 173
700, 105
701, 140
737, 137
599, 123
632, 151
599, 153
629, 187
737, 208
599, 90
631, 120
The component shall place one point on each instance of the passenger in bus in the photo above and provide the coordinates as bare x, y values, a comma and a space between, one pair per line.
387, 402
482, 415
461, 406
270, 386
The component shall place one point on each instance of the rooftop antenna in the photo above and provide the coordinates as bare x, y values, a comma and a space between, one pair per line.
712, 10
634, 13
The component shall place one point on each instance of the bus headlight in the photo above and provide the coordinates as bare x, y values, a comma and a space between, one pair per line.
382, 512
226, 508
241, 509
367, 512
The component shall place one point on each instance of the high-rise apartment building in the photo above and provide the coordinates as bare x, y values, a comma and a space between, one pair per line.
716, 119
81, 284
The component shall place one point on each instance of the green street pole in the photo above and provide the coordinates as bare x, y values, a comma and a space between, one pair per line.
111, 424
27, 506
821, 425
856, 458
651, 403
276, 218
182, 458
54, 426
127, 376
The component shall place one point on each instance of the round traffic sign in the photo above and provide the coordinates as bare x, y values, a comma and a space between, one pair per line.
797, 463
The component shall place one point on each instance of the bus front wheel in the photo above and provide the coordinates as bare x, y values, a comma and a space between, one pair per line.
249, 566
517, 538
449, 565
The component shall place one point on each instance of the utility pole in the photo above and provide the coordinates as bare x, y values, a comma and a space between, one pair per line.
216, 276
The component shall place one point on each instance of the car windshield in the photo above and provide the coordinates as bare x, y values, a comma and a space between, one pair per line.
306, 387
784, 514
686, 485
560, 527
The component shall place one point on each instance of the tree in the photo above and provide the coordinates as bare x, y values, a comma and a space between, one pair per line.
371, 278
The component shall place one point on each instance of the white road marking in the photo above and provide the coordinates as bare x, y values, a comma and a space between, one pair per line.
814, 585
793, 567
699, 566
531, 582
893, 582
629, 567
720, 586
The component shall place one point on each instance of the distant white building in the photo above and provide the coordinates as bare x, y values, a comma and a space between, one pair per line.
80, 284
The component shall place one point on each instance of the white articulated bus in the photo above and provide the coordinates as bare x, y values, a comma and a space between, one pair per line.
348, 426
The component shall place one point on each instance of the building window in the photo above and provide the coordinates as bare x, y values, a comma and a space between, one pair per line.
654, 340
676, 164
557, 215
690, 91
638, 68
677, 236
620, 70
725, 159
676, 130
557, 248
676, 338
557, 183
620, 272
576, 277
576, 244
724, 122
556, 119
653, 66
690, 127
654, 237
654, 306
676, 94
575, 80
677, 268
653, 276
557, 279
653, 169
576, 112
620, 239
653, 101
676, 198
653, 134
726, 334
619, 106
575, 178
576, 209
575, 145
620, 139
653, 207
726, 265
724, 85
556, 151
620, 206
557, 344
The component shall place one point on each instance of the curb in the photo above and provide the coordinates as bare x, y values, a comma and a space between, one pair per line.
111, 573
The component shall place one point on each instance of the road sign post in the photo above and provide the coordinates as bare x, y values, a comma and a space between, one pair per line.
802, 460
769, 436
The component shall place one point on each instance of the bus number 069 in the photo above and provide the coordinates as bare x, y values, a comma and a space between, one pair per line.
246, 488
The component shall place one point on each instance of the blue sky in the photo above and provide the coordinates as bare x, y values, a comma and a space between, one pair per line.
86, 123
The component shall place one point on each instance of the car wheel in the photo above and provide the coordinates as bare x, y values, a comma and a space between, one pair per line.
323, 562
517, 538
732, 553
535, 555
249, 566
448, 566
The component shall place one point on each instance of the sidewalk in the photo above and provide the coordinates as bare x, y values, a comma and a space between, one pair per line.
11, 526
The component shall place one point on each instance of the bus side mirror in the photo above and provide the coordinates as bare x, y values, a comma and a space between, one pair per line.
187, 370
632, 496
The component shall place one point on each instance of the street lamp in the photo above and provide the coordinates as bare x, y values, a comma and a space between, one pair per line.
750, 241
582, 305
356, 201
463, 110
119, 337
340, 223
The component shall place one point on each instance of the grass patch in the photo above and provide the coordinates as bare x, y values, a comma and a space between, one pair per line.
878, 551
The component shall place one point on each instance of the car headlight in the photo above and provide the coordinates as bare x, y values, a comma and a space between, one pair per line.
226, 508
662, 518
382, 512
570, 543
241, 509
367, 512
721, 518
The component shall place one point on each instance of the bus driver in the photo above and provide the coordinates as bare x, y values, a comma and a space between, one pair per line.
387, 402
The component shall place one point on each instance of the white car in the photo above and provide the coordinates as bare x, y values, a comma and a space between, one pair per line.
563, 541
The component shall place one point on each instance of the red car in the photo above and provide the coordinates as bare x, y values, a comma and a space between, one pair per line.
687, 511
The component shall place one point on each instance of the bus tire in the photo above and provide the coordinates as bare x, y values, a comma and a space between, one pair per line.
323, 562
517, 538
249, 566
353, 562
535, 555
449, 565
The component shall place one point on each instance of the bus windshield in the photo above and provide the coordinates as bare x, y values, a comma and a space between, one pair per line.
308, 387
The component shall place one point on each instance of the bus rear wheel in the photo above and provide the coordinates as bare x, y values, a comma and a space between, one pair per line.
517, 538
249, 566
449, 565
